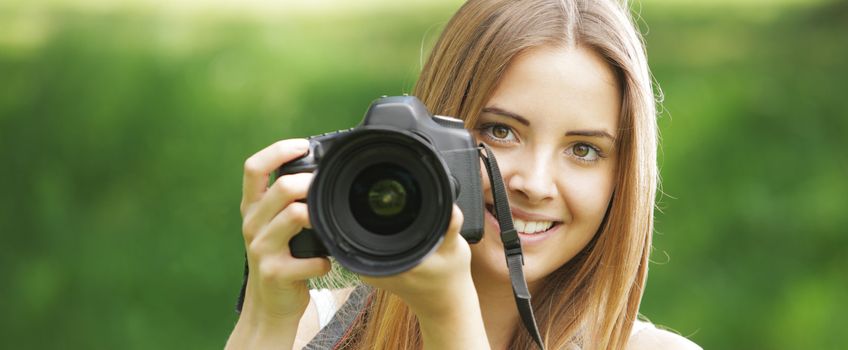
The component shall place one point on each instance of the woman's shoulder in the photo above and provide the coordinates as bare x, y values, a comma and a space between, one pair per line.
327, 302
647, 336
323, 304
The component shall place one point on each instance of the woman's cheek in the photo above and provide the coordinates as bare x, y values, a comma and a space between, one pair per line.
588, 192
484, 177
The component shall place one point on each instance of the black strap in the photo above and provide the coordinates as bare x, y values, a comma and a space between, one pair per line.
512, 245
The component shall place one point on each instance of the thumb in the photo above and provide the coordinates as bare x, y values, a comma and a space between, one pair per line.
455, 226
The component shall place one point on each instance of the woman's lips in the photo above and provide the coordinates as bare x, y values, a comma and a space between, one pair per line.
525, 237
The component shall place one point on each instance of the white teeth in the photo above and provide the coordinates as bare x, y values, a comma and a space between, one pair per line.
530, 227
519, 225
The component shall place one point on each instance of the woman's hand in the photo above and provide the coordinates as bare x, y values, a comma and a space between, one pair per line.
429, 287
441, 293
277, 294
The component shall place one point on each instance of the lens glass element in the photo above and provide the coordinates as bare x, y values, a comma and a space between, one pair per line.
385, 198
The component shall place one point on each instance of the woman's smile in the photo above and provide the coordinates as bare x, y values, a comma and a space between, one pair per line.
531, 227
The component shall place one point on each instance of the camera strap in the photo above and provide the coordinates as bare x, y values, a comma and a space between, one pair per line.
512, 245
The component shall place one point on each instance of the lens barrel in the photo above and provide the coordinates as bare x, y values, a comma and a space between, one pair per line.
381, 200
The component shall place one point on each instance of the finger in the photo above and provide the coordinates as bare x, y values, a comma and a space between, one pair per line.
260, 165
455, 225
290, 269
276, 235
284, 191
309, 268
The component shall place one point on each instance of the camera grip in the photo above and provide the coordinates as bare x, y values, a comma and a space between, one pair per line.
305, 164
318, 145
306, 244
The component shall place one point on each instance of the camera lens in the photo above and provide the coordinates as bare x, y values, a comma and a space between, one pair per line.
385, 199
381, 200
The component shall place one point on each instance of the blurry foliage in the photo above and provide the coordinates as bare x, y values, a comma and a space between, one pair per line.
123, 133
755, 167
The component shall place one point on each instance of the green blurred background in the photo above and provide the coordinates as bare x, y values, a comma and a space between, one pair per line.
124, 127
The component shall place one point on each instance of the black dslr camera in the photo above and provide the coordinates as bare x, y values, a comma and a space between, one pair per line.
382, 193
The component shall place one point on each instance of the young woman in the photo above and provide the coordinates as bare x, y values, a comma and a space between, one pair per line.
560, 90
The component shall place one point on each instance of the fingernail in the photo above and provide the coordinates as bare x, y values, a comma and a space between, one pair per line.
302, 145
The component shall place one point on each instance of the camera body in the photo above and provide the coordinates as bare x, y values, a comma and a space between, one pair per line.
383, 191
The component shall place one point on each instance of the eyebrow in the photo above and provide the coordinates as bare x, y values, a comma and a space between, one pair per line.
505, 113
590, 133
522, 120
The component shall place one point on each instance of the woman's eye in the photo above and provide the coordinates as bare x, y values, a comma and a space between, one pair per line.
585, 152
499, 133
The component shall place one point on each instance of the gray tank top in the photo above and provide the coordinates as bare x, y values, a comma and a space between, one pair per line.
331, 335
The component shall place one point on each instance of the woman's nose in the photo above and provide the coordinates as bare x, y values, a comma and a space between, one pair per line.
532, 180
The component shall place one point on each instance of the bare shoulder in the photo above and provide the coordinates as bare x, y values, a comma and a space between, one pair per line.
308, 326
341, 295
309, 323
660, 339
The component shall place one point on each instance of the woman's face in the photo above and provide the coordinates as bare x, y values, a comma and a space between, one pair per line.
552, 124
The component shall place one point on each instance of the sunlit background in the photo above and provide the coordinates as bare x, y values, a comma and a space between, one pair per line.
124, 126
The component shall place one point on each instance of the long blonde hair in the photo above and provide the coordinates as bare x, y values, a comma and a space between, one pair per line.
593, 300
